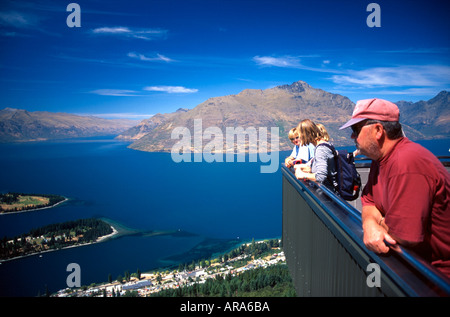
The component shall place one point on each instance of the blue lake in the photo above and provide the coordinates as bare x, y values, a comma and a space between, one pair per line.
218, 204
215, 202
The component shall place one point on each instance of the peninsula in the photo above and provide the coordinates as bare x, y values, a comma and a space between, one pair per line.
56, 236
70, 234
17, 202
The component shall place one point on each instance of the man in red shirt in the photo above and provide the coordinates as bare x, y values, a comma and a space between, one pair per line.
407, 196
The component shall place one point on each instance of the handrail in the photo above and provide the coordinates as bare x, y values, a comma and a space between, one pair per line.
422, 267
427, 271
366, 162
409, 256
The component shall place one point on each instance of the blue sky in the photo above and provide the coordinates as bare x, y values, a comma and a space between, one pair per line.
133, 59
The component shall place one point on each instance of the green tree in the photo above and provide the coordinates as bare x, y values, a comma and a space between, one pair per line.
138, 272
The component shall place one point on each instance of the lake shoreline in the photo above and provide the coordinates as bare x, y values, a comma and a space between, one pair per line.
34, 209
99, 239
118, 231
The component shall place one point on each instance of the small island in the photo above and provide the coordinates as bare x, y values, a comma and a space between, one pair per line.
18, 202
54, 237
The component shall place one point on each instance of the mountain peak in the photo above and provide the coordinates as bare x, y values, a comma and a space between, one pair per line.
442, 96
296, 87
10, 109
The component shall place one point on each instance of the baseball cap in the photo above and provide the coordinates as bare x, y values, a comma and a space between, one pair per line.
375, 109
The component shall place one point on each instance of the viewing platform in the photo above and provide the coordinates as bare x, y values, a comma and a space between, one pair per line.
324, 249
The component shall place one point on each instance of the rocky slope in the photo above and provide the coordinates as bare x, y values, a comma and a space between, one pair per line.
20, 125
283, 107
431, 118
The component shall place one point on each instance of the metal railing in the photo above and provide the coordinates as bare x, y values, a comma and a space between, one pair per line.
326, 256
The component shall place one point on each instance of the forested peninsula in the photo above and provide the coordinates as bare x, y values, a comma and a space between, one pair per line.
55, 236
17, 202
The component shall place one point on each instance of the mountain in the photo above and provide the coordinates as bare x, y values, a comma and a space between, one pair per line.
431, 118
283, 107
20, 125
147, 125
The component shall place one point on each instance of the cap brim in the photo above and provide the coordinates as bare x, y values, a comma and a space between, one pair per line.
352, 122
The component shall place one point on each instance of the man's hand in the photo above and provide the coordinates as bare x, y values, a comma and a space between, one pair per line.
375, 231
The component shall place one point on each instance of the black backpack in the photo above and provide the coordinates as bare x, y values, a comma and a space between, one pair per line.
348, 182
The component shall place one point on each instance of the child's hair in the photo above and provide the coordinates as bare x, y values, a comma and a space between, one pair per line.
308, 131
323, 132
292, 134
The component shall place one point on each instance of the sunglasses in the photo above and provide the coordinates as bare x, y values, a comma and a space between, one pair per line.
356, 128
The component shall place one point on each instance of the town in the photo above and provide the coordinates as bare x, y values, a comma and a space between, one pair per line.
149, 284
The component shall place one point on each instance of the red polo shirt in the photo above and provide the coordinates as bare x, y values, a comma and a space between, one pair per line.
411, 188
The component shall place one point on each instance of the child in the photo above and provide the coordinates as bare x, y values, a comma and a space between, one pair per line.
300, 153
323, 168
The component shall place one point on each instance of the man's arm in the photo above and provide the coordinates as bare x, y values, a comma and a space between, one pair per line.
375, 230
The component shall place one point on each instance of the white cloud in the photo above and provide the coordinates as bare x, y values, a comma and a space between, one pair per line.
397, 80
292, 62
287, 61
133, 93
24, 24
411, 92
132, 116
142, 57
115, 30
164, 58
144, 34
395, 76
115, 92
17, 19
171, 89
425, 75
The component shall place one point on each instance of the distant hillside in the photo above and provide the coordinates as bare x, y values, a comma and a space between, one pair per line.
431, 118
283, 107
21, 125
147, 125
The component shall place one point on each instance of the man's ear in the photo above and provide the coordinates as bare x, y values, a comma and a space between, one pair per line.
378, 130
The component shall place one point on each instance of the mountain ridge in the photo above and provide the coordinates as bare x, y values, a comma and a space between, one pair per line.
251, 108
283, 107
18, 125
428, 117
